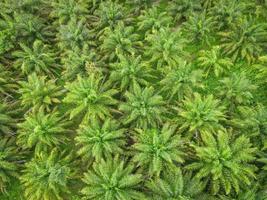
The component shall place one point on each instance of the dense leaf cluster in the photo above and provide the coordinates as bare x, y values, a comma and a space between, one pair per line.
133, 99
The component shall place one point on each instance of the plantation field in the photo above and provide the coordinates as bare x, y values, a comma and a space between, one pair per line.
133, 100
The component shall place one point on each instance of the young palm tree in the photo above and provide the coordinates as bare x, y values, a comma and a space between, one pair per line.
90, 96
39, 59
77, 61
200, 113
46, 176
99, 141
212, 60
121, 40
8, 84
165, 48
8, 33
260, 65
130, 70
74, 34
9, 156
64, 10
38, 92
31, 27
236, 89
224, 162
156, 150
251, 121
108, 14
7, 120
199, 28
227, 12
180, 81
245, 40
42, 131
112, 180
174, 185
143, 108
153, 19
182, 9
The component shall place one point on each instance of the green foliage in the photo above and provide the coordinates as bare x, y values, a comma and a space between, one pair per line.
73, 34
121, 40
9, 156
165, 48
236, 89
77, 61
46, 177
64, 10
130, 70
224, 162
38, 92
42, 131
7, 121
245, 40
199, 27
180, 81
112, 180
153, 19
200, 114
212, 60
175, 185
184, 8
7, 82
39, 59
158, 150
108, 14
90, 96
153, 99
143, 108
100, 140
227, 12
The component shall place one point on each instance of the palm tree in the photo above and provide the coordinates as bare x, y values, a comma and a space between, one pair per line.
121, 40
108, 14
39, 59
200, 113
38, 92
74, 34
174, 185
64, 11
165, 48
90, 96
180, 81
8, 33
224, 162
143, 108
245, 40
42, 131
112, 180
212, 60
7, 118
199, 28
156, 150
130, 70
182, 9
77, 61
8, 84
46, 176
100, 140
31, 27
228, 12
153, 19
236, 89
9, 156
